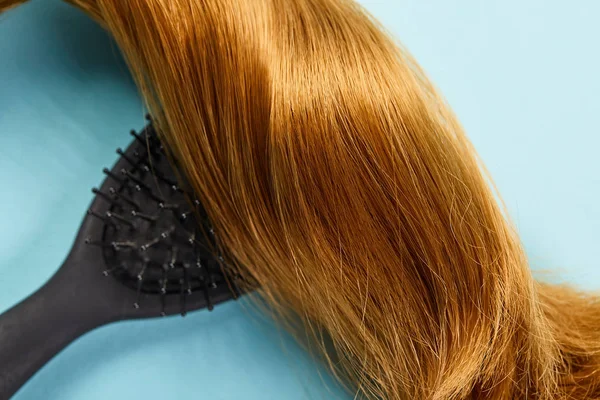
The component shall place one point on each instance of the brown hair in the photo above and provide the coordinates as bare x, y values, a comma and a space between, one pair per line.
8, 4
341, 183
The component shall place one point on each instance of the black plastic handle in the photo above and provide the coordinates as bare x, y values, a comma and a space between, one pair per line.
35, 330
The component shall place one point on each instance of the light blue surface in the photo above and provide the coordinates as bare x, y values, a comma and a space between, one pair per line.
522, 76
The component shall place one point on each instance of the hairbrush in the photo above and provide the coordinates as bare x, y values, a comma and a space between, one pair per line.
144, 249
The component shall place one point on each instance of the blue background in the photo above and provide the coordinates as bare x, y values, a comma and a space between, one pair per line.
522, 75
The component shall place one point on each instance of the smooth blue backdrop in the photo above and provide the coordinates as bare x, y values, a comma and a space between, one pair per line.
522, 75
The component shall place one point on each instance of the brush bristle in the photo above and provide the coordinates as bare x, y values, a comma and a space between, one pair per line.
156, 239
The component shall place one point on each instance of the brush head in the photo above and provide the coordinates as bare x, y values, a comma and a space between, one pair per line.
154, 236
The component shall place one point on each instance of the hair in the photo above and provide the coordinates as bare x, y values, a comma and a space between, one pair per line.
5, 5
341, 183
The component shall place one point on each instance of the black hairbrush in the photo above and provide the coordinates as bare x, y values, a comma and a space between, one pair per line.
145, 249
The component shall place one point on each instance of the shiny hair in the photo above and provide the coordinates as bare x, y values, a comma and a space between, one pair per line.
341, 183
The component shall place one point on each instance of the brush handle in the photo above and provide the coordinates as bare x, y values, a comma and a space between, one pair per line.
35, 330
